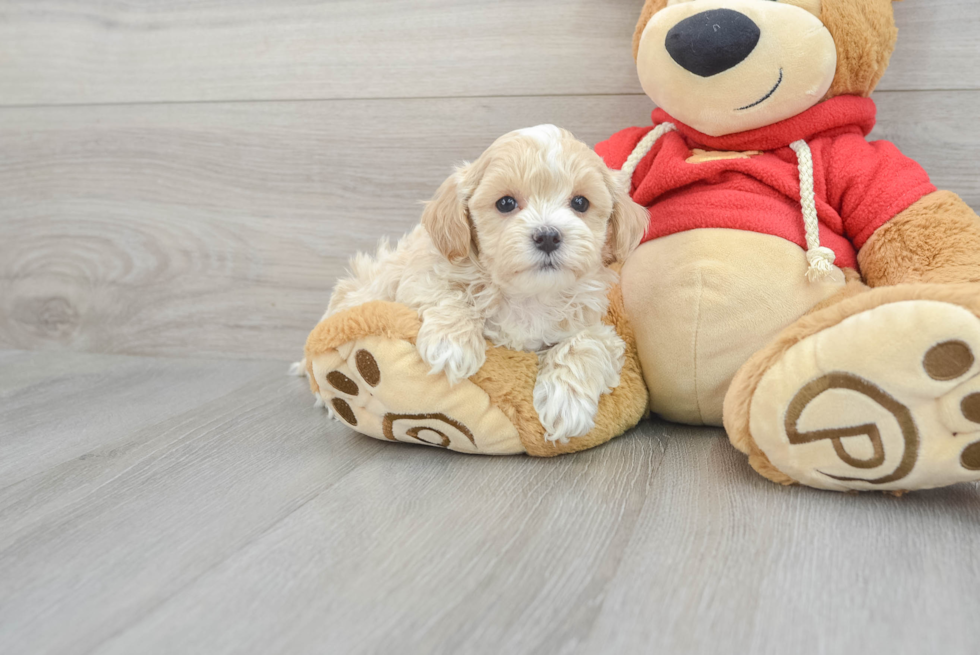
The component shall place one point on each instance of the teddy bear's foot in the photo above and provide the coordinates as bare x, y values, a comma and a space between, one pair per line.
363, 384
879, 392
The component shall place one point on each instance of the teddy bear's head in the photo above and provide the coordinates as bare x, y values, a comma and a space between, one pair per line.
727, 66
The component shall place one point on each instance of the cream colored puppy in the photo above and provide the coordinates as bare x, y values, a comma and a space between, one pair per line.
514, 248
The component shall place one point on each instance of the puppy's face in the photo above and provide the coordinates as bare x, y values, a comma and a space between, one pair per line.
539, 210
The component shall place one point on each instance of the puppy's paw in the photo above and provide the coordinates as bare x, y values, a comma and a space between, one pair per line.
458, 356
564, 412
298, 369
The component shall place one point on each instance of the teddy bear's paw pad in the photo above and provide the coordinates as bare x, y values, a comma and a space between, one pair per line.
381, 388
888, 399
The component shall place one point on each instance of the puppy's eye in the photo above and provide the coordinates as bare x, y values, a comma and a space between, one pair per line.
506, 205
580, 204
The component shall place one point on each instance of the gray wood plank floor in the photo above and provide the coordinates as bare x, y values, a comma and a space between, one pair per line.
181, 182
212, 509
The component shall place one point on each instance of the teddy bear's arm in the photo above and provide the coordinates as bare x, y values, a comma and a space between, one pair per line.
936, 240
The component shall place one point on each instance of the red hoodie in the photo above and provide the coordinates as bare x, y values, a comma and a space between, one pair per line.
860, 185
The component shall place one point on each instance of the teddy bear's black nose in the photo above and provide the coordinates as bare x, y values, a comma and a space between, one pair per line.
713, 41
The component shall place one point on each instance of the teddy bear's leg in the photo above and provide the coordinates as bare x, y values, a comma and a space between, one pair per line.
365, 368
702, 302
880, 389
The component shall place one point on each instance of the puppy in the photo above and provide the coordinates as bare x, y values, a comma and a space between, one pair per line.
514, 248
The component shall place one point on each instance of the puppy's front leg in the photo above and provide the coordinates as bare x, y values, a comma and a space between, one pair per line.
572, 375
451, 341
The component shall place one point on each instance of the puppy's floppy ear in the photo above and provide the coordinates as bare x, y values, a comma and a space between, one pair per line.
628, 222
447, 216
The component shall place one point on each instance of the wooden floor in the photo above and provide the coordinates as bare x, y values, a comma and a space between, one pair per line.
204, 506
180, 183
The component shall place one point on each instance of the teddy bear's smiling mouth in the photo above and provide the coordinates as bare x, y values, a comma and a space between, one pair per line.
765, 97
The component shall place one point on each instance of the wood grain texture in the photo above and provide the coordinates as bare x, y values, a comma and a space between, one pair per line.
116, 51
219, 229
184, 229
231, 156
248, 523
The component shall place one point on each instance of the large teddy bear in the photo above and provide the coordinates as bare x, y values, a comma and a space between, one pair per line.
809, 290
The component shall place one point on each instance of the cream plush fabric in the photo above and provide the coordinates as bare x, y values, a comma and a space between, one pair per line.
702, 303
860, 406
361, 381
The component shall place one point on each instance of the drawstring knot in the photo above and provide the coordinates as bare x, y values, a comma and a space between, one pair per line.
821, 263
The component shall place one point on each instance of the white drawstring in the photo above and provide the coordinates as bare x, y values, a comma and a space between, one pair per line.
821, 259
644, 147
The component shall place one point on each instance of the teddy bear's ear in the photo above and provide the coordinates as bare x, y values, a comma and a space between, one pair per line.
865, 34
649, 9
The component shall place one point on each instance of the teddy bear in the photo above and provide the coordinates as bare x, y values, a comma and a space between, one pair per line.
808, 290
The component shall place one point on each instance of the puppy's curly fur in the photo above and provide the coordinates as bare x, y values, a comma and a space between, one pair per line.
475, 272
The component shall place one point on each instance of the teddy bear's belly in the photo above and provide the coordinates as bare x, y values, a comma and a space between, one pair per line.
702, 302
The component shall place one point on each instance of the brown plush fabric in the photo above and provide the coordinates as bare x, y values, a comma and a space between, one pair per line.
865, 34
936, 240
739, 399
374, 318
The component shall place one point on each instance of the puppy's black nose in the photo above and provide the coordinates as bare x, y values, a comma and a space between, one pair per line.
547, 239
713, 41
